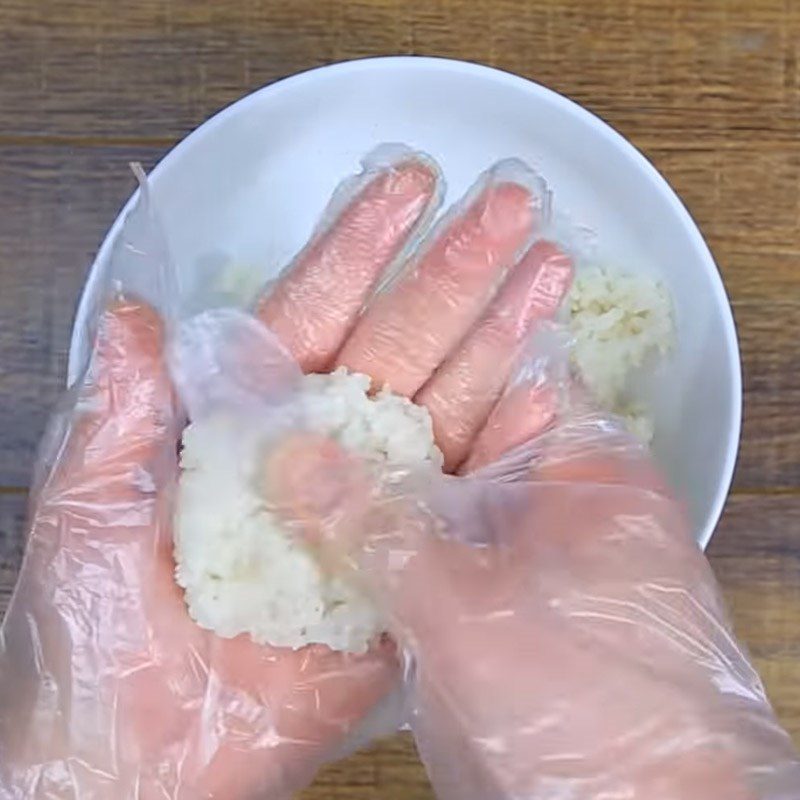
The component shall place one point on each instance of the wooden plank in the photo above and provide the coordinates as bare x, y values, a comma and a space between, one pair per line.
13, 507
55, 206
56, 203
389, 770
756, 557
690, 72
770, 447
747, 203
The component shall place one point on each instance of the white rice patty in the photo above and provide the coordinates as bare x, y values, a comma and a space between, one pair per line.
243, 572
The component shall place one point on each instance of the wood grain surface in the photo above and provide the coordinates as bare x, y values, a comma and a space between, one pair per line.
709, 90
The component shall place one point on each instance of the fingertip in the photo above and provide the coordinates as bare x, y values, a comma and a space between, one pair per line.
548, 258
507, 212
541, 282
317, 300
127, 364
312, 483
412, 177
126, 409
129, 329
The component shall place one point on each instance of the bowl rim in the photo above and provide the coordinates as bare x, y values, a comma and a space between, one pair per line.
379, 63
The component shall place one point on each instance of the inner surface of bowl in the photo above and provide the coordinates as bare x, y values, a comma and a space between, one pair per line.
248, 187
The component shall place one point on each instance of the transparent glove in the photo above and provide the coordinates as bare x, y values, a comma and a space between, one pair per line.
564, 637
107, 688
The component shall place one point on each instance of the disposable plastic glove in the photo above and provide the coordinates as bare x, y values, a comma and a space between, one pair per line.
107, 688
564, 636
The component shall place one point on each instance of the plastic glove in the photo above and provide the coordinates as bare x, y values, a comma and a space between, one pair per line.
107, 688
564, 636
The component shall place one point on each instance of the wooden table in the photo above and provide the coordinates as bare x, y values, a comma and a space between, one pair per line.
709, 90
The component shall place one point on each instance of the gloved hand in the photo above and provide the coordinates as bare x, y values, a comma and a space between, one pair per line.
563, 634
107, 688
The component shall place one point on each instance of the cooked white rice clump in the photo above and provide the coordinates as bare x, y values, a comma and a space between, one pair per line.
618, 322
243, 572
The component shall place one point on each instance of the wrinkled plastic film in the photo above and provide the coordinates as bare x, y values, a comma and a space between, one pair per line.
507, 172
604, 664
102, 509
128, 411
387, 157
564, 635
139, 264
255, 381
590, 655
451, 280
370, 226
225, 360
464, 390
107, 688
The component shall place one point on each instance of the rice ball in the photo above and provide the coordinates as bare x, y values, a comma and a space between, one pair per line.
241, 569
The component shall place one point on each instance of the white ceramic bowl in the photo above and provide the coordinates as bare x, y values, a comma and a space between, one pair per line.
248, 185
